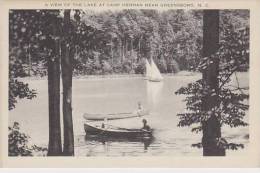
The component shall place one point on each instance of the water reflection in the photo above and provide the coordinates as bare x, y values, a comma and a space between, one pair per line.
107, 141
153, 93
122, 95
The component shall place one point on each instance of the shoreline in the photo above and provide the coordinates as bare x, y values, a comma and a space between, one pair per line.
116, 76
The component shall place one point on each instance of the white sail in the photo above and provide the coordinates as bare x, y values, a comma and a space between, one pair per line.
155, 71
148, 69
152, 72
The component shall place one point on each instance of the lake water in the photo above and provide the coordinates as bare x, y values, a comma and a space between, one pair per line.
122, 95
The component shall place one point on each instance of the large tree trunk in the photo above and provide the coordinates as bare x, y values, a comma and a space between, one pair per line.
66, 66
211, 128
54, 148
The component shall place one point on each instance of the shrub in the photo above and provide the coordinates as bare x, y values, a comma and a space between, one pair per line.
18, 143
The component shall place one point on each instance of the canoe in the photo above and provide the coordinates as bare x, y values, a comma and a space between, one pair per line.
111, 131
155, 80
114, 116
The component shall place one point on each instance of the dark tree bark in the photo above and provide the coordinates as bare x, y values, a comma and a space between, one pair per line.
211, 128
66, 66
54, 148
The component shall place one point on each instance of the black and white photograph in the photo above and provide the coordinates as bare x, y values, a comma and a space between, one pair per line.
128, 82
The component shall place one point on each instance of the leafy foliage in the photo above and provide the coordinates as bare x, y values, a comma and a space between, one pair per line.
118, 38
17, 88
233, 55
30, 44
223, 144
18, 143
119, 41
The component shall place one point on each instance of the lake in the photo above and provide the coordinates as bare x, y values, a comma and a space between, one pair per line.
106, 95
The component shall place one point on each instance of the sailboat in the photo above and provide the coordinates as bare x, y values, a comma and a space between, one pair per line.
152, 72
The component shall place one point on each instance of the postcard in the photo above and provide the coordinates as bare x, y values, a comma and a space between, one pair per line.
114, 83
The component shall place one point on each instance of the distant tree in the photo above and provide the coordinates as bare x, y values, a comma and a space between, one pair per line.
106, 67
162, 65
140, 66
171, 34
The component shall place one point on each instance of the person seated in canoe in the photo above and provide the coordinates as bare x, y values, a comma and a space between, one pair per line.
145, 127
104, 124
140, 109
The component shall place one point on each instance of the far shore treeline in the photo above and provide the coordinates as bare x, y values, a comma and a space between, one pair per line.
114, 42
